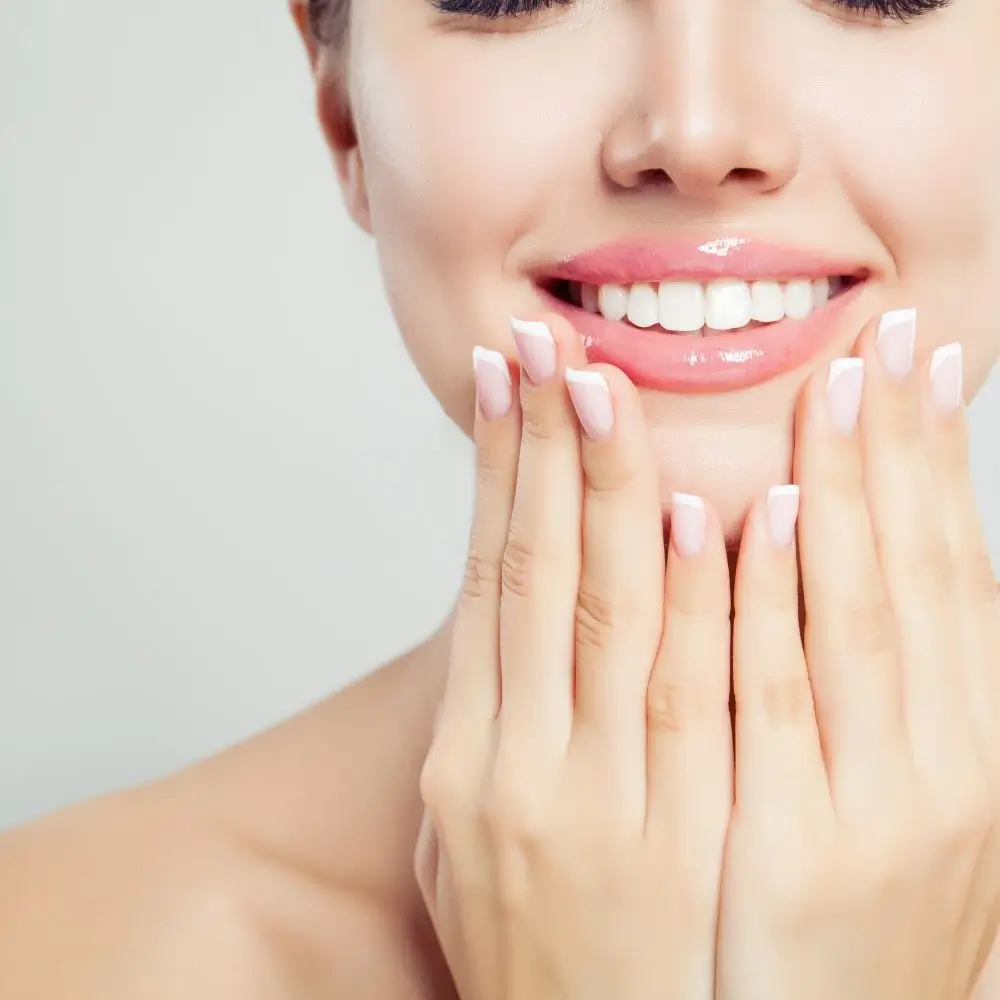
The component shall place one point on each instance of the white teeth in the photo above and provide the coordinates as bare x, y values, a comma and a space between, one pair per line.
643, 305
768, 301
693, 308
798, 299
612, 300
727, 304
682, 306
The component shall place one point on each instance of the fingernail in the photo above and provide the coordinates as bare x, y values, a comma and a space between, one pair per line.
592, 402
493, 382
946, 377
782, 513
687, 523
844, 386
536, 348
897, 334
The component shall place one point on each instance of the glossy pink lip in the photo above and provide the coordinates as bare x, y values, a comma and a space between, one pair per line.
720, 362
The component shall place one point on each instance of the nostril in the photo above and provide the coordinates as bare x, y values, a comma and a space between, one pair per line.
746, 175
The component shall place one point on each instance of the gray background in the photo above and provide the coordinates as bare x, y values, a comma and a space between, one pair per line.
224, 492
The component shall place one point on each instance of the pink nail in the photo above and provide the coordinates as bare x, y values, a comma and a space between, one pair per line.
946, 377
592, 402
687, 523
897, 335
536, 348
843, 392
782, 513
493, 382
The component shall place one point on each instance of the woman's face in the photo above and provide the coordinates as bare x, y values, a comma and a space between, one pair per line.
481, 152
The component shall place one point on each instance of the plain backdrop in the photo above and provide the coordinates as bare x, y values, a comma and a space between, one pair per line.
224, 492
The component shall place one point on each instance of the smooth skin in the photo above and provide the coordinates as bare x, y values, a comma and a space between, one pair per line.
284, 868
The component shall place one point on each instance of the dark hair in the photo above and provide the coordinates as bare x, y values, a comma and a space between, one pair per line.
329, 21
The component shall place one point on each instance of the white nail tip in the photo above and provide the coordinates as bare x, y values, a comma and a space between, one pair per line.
841, 365
494, 358
894, 318
530, 328
782, 491
943, 354
586, 378
688, 500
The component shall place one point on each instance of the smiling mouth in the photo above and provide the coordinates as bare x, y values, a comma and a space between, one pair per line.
704, 309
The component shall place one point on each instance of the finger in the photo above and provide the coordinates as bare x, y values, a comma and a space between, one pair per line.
689, 727
619, 614
780, 773
437, 889
541, 566
919, 568
850, 639
947, 427
472, 690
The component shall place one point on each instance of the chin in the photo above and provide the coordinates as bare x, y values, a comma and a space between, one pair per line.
729, 466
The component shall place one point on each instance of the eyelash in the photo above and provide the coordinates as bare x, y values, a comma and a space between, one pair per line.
890, 10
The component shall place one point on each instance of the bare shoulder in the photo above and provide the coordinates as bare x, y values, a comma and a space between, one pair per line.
279, 869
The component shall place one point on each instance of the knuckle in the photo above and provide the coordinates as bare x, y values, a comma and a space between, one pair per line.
537, 425
520, 560
967, 825
933, 567
980, 580
494, 468
482, 575
597, 619
511, 816
786, 699
675, 705
609, 475
866, 626
438, 785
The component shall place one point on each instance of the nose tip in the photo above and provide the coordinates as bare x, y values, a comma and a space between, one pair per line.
705, 157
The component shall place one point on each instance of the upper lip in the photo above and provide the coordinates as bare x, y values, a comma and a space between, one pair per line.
627, 262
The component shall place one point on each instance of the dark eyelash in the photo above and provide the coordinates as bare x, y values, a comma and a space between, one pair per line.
892, 10
895, 10
497, 8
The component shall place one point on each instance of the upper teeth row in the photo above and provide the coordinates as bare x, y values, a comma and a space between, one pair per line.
726, 304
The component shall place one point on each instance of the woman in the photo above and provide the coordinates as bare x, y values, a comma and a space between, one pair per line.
748, 247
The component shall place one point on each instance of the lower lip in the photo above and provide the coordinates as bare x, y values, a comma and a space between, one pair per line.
718, 363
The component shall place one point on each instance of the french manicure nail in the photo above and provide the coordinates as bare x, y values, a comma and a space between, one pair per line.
844, 386
592, 402
687, 523
946, 377
782, 513
897, 335
493, 382
536, 348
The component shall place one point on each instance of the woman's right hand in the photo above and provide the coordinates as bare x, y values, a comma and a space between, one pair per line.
580, 782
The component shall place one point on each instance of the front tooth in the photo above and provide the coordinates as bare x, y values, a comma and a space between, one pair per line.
768, 301
798, 299
612, 300
643, 307
682, 306
728, 305
588, 298
821, 292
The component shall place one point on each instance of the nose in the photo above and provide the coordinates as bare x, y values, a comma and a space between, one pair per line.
711, 117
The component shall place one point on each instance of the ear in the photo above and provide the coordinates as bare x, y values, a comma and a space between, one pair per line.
333, 109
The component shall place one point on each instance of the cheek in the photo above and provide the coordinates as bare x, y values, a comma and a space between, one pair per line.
466, 148
915, 149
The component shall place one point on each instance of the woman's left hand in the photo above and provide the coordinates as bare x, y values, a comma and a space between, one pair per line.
863, 860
